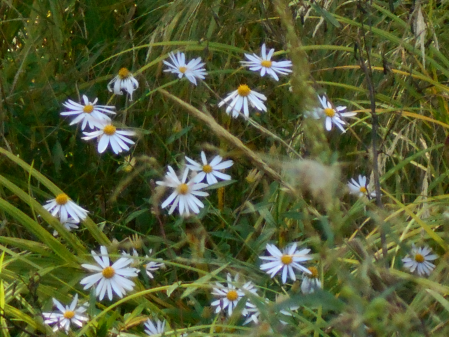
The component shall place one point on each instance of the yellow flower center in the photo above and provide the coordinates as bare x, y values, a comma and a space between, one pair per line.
183, 189
266, 64
362, 189
88, 108
286, 259
69, 314
109, 130
62, 199
243, 90
123, 73
108, 272
183, 69
232, 295
207, 168
329, 112
419, 258
314, 272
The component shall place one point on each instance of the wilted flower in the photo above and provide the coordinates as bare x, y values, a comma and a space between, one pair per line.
253, 176
123, 81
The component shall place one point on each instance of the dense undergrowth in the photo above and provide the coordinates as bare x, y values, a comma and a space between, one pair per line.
386, 61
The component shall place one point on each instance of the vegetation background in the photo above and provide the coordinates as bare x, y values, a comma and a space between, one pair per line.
385, 60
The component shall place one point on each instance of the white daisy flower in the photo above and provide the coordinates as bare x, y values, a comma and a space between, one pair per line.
192, 70
108, 134
184, 194
150, 266
334, 116
63, 207
240, 98
288, 312
230, 296
210, 170
311, 282
287, 260
253, 314
89, 113
265, 65
418, 260
156, 328
134, 257
110, 278
123, 81
67, 315
360, 188
69, 224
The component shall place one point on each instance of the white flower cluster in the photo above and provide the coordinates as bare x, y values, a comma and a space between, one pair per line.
230, 295
186, 192
96, 118
109, 279
286, 262
244, 97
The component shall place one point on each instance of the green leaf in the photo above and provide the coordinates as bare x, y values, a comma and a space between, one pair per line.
63, 232
293, 215
32, 246
135, 214
58, 156
90, 225
179, 134
326, 15
220, 184
439, 298
173, 287
202, 281
37, 230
